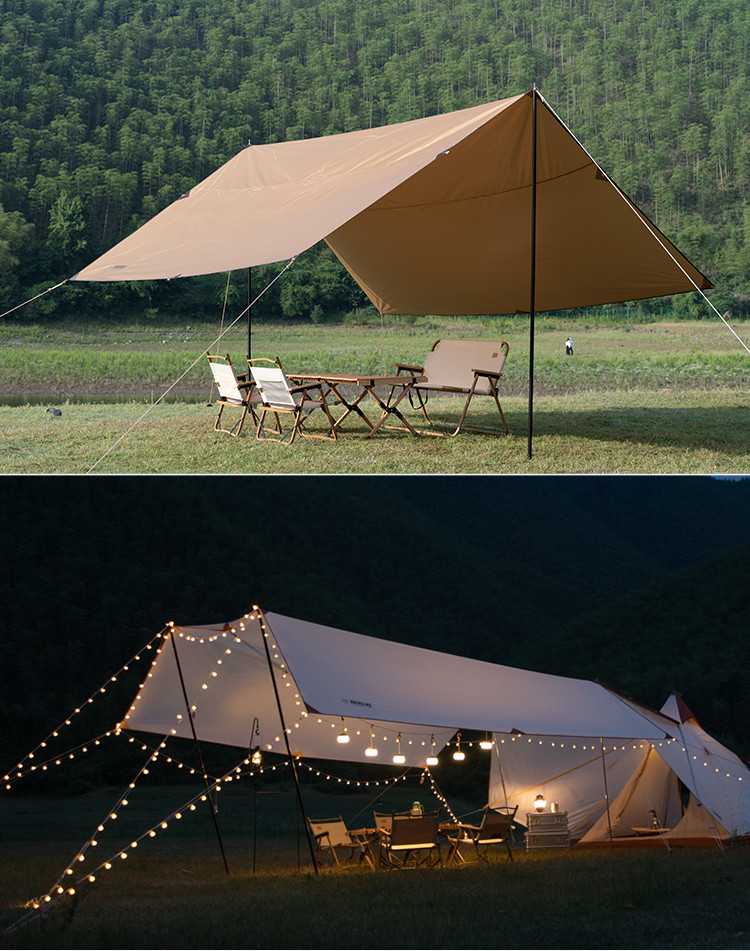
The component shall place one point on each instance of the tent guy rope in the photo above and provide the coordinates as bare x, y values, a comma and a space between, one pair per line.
32, 299
197, 360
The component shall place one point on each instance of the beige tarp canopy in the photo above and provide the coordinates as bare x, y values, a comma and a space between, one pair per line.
432, 216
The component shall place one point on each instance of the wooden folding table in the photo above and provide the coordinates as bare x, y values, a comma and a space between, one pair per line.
364, 386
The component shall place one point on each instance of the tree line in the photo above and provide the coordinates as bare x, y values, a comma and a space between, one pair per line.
111, 109
638, 583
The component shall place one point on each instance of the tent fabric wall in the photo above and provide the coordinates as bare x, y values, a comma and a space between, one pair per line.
566, 770
652, 786
431, 216
640, 776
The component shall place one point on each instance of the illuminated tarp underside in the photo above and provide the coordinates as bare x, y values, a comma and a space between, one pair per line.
330, 680
431, 216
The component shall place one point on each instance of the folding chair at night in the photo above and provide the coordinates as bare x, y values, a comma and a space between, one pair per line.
332, 834
495, 829
411, 837
234, 391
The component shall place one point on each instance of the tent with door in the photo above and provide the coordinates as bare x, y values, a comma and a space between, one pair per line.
265, 679
450, 214
687, 789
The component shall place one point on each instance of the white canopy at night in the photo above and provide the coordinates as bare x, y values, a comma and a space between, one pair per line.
330, 681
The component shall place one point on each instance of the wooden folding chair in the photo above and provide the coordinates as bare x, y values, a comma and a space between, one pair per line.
495, 829
279, 397
332, 834
414, 838
234, 390
471, 367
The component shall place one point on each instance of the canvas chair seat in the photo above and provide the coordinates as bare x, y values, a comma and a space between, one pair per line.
234, 391
332, 834
411, 838
279, 397
473, 367
495, 829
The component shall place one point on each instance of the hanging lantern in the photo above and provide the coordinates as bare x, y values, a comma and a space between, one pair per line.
432, 760
459, 756
399, 757
371, 749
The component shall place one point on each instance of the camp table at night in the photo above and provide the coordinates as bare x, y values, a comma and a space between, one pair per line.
366, 385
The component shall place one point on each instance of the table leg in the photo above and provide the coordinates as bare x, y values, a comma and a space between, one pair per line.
391, 409
350, 407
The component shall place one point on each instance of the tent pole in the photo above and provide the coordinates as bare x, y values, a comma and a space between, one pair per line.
249, 311
500, 767
198, 748
606, 793
532, 303
264, 632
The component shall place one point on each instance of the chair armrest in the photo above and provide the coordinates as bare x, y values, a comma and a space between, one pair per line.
409, 368
304, 387
494, 373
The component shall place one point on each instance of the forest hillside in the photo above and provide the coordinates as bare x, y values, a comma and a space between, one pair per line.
640, 583
111, 109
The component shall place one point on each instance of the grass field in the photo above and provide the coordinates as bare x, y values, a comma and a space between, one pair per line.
648, 398
173, 891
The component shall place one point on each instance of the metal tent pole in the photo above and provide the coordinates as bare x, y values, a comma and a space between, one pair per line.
249, 314
198, 748
264, 633
606, 792
532, 292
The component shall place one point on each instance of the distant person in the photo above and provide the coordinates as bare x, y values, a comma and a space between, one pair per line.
569, 347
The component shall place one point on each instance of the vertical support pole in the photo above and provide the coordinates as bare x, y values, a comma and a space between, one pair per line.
264, 635
249, 314
606, 791
532, 291
198, 748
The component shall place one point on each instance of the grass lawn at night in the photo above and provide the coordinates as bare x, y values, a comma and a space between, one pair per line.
173, 891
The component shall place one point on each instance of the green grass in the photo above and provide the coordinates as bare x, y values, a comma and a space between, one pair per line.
692, 431
173, 891
649, 398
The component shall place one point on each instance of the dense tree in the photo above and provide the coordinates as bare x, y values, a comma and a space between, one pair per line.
122, 105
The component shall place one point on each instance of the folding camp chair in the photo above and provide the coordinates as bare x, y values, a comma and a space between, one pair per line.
471, 367
278, 397
411, 837
495, 829
234, 391
332, 834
